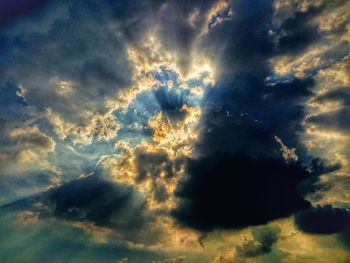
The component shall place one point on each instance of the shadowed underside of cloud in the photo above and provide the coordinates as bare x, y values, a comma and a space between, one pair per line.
323, 220
92, 200
227, 190
99, 201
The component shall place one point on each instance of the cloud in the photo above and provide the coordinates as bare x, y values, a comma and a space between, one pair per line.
101, 127
26, 146
286, 152
236, 156
246, 38
334, 118
263, 239
171, 103
66, 74
25, 161
224, 190
70, 243
323, 220
156, 171
179, 259
153, 164
99, 201
157, 168
32, 138
167, 120
295, 33
10, 10
228, 182
176, 31
123, 260
332, 189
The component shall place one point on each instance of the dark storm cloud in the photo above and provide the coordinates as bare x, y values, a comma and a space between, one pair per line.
278, 105
254, 34
263, 239
323, 220
238, 176
235, 134
244, 67
226, 191
242, 43
97, 200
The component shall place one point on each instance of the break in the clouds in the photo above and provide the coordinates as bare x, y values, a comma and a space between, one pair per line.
175, 131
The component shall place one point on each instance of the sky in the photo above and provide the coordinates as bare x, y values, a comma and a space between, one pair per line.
158, 131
